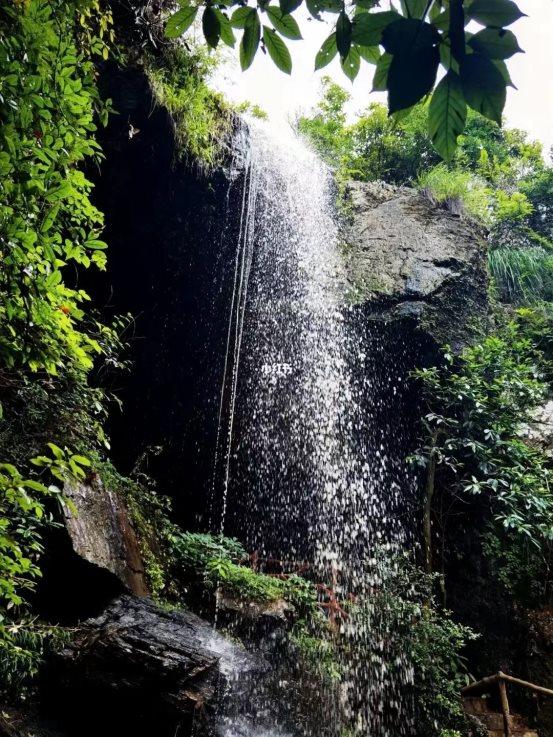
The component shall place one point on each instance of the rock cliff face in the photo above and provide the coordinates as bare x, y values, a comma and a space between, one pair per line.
101, 532
410, 259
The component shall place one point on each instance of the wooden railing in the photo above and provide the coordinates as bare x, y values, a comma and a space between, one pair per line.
502, 679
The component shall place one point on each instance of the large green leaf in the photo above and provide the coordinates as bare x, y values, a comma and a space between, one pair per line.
284, 24
369, 53
484, 87
367, 28
288, 6
211, 27
250, 40
367, 4
277, 50
413, 8
496, 13
343, 34
240, 16
408, 35
504, 73
497, 43
447, 115
180, 21
380, 79
327, 52
411, 76
225, 29
351, 64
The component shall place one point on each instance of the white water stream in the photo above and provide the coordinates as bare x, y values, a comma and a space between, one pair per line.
302, 461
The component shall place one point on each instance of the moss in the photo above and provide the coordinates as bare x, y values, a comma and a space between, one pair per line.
149, 513
202, 119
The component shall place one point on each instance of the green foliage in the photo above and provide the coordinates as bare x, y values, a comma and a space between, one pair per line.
243, 583
201, 117
23, 519
194, 550
460, 190
522, 275
48, 109
477, 405
408, 47
424, 637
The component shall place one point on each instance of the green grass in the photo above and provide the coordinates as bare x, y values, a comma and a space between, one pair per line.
461, 191
522, 275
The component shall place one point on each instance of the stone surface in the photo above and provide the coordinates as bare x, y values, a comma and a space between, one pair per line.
539, 432
102, 534
409, 258
135, 668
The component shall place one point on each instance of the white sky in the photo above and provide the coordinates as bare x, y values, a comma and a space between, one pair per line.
282, 96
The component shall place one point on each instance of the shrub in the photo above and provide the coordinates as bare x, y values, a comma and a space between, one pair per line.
460, 191
477, 404
201, 117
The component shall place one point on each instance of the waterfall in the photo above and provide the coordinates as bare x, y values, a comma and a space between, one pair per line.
305, 462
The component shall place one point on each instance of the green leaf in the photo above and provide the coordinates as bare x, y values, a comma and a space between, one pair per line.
250, 41
180, 21
413, 8
409, 35
284, 24
380, 79
496, 13
504, 72
440, 20
56, 451
497, 43
277, 50
327, 52
351, 64
367, 28
343, 34
483, 86
225, 28
95, 244
211, 27
447, 115
288, 6
369, 53
83, 460
367, 4
411, 76
240, 16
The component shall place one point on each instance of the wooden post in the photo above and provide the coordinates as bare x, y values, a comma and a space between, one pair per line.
504, 704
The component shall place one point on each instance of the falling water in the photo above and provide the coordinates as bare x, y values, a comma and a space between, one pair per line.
305, 457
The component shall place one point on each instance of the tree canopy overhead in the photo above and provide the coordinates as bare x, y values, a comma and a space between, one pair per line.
408, 46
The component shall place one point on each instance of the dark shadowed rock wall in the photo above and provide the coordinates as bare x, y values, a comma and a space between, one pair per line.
172, 236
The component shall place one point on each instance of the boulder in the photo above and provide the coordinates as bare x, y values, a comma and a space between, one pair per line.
408, 258
100, 531
134, 669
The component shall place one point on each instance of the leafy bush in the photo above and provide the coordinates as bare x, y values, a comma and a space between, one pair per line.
194, 550
477, 405
48, 110
23, 518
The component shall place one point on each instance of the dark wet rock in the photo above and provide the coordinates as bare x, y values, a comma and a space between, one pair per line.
101, 532
410, 259
135, 669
